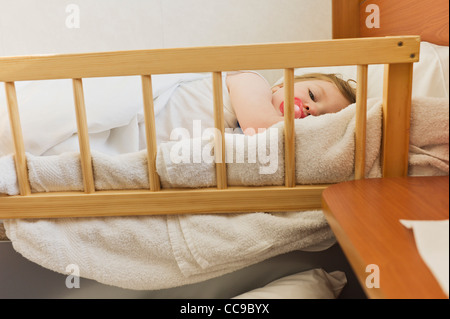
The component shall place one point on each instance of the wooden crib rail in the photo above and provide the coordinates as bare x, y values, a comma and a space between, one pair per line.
150, 132
361, 114
19, 147
83, 137
398, 53
166, 201
383, 50
289, 129
219, 133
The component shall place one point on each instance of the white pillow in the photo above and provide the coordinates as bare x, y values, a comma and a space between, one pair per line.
310, 284
430, 74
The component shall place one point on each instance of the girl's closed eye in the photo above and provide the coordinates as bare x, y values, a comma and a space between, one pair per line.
311, 95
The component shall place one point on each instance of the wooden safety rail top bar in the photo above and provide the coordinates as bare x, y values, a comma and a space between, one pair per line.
397, 53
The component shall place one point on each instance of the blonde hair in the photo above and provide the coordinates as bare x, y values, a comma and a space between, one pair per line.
345, 87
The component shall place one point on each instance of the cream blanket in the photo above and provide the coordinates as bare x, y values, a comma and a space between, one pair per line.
167, 251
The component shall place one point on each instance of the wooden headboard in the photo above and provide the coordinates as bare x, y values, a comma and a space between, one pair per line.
377, 18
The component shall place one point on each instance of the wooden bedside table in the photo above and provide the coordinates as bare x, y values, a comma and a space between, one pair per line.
365, 217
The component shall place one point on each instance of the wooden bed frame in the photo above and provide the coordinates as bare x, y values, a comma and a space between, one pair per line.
398, 53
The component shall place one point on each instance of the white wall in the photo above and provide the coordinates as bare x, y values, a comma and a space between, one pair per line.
44, 26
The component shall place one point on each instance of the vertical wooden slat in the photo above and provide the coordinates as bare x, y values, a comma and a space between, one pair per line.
289, 129
150, 132
19, 147
361, 115
83, 136
219, 138
397, 91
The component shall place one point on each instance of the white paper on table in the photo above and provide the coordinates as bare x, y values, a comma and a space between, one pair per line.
432, 241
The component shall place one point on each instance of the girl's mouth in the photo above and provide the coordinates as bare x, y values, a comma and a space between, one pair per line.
298, 108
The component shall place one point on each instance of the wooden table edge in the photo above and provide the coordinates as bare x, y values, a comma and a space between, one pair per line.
353, 257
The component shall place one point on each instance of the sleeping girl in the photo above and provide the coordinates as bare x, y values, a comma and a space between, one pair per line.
183, 109
250, 106
250, 103
256, 105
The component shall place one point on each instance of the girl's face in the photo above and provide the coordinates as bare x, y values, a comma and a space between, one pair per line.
312, 97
